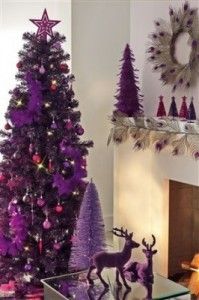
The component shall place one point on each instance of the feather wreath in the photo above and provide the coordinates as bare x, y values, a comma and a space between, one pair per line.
180, 137
161, 51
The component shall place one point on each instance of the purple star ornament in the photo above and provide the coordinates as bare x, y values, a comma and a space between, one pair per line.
44, 25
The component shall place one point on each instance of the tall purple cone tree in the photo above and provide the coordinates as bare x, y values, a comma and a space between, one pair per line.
128, 94
42, 174
90, 231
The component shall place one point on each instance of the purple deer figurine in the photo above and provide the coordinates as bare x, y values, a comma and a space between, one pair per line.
143, 271
116, 260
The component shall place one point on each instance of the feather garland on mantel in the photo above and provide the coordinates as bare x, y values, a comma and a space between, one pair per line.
179, 137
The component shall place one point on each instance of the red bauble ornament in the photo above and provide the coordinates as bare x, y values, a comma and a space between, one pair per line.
40, 245
36, 158
2, 177
19, 65
59, 208
64, 68
7, 126
69, 124
53, 87
50, 166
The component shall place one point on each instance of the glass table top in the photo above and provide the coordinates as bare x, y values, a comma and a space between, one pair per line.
74, 286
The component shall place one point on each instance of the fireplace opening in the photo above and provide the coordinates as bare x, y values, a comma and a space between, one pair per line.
183, 227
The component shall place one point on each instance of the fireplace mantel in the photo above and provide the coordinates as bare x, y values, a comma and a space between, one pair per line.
141, 194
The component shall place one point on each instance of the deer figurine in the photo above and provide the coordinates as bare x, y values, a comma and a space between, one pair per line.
116, 260
142, 271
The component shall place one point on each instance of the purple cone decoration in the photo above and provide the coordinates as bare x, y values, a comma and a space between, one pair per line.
191, 111
173, 112
90, 232
40, 196
128, 94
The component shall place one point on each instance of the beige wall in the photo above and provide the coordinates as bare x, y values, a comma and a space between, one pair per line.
100, 30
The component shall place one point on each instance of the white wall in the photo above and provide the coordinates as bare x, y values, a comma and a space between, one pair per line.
143, 15
100, 30
14, 21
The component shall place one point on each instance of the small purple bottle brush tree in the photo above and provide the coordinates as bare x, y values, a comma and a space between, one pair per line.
128, 94
42, 174
89, 235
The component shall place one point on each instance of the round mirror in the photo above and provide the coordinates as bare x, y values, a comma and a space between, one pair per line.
182, 48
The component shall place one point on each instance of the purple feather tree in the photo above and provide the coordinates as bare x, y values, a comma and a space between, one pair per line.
128, 94
90, 231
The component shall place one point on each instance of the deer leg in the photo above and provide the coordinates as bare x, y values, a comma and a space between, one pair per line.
90, 281
117, 278
124, 280
102, 280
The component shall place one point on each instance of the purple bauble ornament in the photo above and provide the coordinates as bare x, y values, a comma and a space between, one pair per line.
46, 224
53, 125
79, 130
57, 45
28, 267
66, 164
42, 70
41, 202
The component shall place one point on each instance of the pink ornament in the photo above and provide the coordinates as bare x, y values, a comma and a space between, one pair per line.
69, 124
57, 246
42, 70
31, 148
41, 202
59, 208
46, 224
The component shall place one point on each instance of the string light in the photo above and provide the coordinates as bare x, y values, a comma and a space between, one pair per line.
19, 102
54, 81
40, 166
49, 133
47, 104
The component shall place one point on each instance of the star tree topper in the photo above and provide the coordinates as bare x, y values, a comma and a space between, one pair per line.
44, 25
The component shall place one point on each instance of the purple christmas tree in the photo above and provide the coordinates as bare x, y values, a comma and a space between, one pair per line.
173, 112
161, 109
191, 111
128, 94
42, 174
90, 231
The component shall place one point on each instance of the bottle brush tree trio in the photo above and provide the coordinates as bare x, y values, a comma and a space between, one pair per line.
43, 170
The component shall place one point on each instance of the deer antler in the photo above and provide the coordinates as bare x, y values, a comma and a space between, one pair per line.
120, 232
149, 247
145, 244
153, 243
